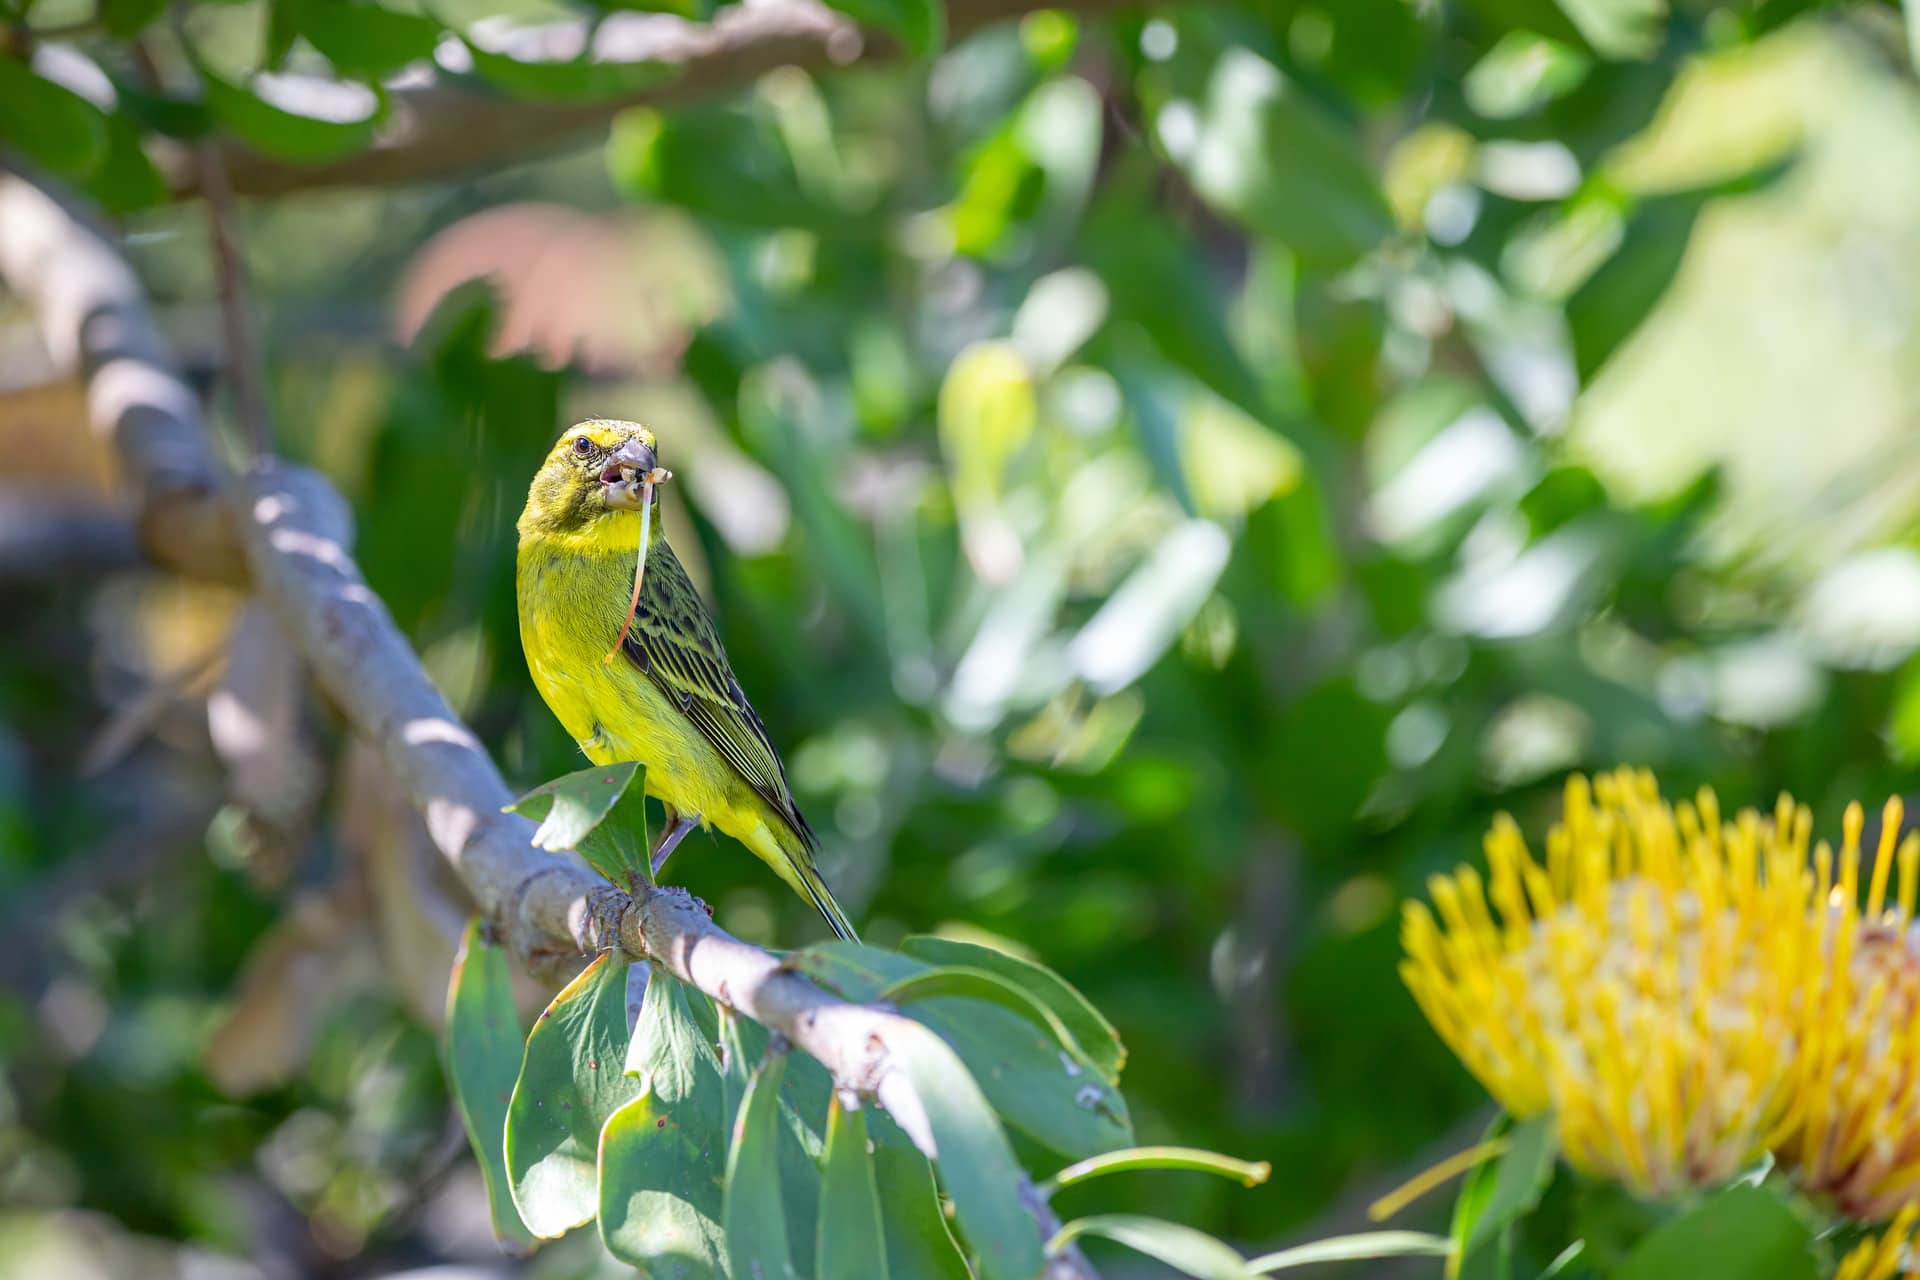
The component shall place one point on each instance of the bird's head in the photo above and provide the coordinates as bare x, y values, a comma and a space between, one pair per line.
597, 469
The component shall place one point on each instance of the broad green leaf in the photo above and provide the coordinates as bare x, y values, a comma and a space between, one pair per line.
602, 813
126, 179
852, 1245
182, 118
977, 984
1247, 1173
806, 1091
1606, 310
669, 157
663, 1156
128, 17
1154, 276
306, 118
1744, 1231
1190, 1252
53, 125
921, 25
1091, 1030
1052, 1093
366, 40
483, 1050
1354, 1248
569, 79
1271, 157
920, 1245
1519, 1178
1619, 29
756, 1221
971, 1154
571, 1081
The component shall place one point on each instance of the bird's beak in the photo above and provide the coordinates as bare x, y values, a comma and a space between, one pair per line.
628, 470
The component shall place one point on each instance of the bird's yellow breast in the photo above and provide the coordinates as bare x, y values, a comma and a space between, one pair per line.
570, 615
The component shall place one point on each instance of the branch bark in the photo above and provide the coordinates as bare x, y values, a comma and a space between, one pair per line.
95, 323
444, 121
295, 532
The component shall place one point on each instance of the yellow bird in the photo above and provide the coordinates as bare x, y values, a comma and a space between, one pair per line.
667, 697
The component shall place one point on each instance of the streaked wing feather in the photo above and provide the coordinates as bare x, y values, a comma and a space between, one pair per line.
674, 644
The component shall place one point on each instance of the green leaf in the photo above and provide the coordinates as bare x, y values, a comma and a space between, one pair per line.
366, 40
669, 158
852, 1243
483, 1048
1606, 310
1247, 1173
1090, 1029
125, 18
126, 180
1190, 1252
304, 118
602, 813
1354, 1248
756, 1222
977, 984
975, 1164
1273, 158
567, 79
1745, 1231
920, 24
53, 125
1155, 276
1519, 1178
805, 1093
1049, 1092
920, 1245
570, 1082
663, 1156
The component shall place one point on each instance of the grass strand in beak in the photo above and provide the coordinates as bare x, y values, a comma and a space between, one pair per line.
639, 567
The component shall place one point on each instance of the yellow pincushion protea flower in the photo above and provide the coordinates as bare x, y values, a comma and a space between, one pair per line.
1885, 1257
1642, 983
1853, 1131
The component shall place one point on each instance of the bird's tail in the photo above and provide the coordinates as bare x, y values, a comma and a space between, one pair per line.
790, 854
822, 897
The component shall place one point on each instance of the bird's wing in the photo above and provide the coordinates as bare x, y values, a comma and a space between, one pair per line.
673, 643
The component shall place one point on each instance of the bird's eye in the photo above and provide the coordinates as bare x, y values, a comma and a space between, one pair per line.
582, 446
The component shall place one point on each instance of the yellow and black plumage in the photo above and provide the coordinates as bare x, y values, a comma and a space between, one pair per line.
669, 699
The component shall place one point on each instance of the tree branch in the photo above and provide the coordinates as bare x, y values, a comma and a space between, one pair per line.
445, 121
295, 532
94, 320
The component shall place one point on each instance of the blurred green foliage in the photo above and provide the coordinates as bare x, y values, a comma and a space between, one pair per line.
1166, 480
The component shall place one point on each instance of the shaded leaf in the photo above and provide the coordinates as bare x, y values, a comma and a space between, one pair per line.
920, 24
601, 812
920, 1245
1519, 1178
852, 1244
1090, 1029
366, 40
1049, 1092
663, 1156
756, 1221
55, 126
567, 79
299, 117
1745, 1231
128, 17
571, 1081
1276, 160
975, 1164
483, 1049
1190, 1252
